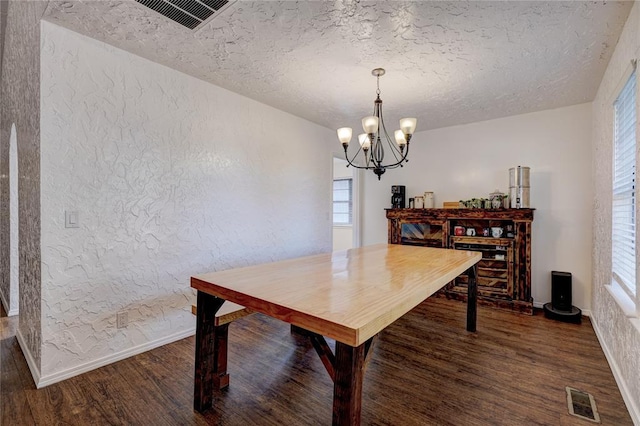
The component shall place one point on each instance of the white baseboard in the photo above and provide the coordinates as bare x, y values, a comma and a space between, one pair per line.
634, 410
10, 312
109, 359
31, 363
585, 312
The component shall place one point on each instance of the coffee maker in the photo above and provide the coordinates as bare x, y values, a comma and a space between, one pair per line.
397, 196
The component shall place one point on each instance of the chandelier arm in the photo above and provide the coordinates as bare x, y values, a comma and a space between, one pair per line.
367, 156
400, 162
377, 150
394, 148
351, 163
377, 153
399, 155
378, 107
355, 166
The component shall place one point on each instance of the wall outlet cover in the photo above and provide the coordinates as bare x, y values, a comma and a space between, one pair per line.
71, 219
122, 319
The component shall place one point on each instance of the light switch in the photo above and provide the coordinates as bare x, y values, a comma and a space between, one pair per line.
71, 219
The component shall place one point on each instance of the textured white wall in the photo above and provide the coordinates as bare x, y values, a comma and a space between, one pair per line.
171, 177
20, 96
469, 161
618, 336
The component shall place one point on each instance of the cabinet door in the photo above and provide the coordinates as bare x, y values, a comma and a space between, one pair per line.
495, 270
423, 233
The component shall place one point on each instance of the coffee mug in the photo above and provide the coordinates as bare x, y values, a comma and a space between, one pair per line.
458, 230
471, 232
496, 232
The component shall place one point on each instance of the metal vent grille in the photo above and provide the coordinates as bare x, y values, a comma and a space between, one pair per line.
189, 13
582, 404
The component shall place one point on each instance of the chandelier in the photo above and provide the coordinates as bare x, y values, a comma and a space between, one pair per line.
375, 139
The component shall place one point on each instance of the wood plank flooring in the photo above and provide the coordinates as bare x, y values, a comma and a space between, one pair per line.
425, 370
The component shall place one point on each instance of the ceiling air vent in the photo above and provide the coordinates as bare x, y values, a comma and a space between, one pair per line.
190, 13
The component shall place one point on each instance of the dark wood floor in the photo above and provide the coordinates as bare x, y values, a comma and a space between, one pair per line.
426, 370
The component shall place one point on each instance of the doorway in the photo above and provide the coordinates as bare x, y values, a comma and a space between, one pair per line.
345, 205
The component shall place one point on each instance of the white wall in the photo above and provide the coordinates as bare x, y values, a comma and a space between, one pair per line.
342, 237
473, 160
618, 336
171, 177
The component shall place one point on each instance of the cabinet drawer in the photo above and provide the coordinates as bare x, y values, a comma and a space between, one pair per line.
491, 282
487, 292
492, 273
493, 263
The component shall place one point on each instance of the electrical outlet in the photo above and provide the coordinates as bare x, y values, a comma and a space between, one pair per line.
122, 319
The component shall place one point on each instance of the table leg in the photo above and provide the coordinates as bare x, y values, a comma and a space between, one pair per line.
472, 298
208, 346
347, 388
220, 375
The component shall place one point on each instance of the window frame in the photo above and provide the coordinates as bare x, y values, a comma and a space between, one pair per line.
624, 244
625, 298
349, 202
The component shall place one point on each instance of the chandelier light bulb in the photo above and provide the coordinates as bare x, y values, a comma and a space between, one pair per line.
400, 138
370, 124
344, 135
364, 140
408, 125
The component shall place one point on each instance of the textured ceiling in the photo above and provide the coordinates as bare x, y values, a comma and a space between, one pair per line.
447, 62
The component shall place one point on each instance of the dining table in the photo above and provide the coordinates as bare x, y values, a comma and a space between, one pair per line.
349, 296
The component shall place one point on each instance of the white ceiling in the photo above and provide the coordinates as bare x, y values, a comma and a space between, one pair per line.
447, 63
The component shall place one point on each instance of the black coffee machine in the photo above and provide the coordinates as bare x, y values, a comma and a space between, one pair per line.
397, 197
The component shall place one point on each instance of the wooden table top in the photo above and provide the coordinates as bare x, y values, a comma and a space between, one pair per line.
348, 295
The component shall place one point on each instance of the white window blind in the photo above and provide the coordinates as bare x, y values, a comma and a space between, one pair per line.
342, 201
624, 183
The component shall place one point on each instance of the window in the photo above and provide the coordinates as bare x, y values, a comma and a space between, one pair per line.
624, 184
342, 201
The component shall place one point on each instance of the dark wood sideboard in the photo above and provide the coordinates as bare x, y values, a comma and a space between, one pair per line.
504, 273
